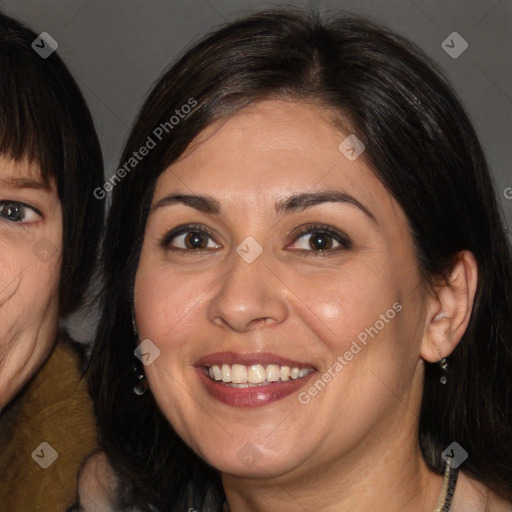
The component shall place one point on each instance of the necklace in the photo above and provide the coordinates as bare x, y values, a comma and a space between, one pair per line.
447, 491
445, 497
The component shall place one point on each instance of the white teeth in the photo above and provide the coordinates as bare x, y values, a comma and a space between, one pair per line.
238, 373
248, 385
245, 376
226, 373
294, 373
272, 372
256, 374
217, 372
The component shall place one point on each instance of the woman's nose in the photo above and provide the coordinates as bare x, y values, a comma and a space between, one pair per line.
248, 296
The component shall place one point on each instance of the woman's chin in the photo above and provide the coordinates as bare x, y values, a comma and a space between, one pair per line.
253, 461
251, 468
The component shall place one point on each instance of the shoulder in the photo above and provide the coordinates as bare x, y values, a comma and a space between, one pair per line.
473, 496
51, 421
97, 484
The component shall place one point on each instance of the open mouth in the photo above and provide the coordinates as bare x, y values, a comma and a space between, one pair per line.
256, 375
252, 380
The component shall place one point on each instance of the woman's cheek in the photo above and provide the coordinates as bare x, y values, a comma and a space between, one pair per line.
163, 301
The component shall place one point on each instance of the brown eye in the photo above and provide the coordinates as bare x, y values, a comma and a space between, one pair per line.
195, 240
189, 239
319, 239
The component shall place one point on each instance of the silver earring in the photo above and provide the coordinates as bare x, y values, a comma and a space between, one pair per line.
141, 384
443, 363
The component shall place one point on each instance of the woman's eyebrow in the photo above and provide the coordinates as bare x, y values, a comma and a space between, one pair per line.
23, 183
296, 202
299, 202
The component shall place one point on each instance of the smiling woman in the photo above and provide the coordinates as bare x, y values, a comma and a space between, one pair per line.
50, 162
322, 223
28, 282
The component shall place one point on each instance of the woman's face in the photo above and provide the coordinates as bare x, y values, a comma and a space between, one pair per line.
259, 298
30, 245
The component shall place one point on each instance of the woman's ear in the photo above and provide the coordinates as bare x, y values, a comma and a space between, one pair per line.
449, 309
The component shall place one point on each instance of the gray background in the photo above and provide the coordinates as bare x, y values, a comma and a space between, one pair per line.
117, 49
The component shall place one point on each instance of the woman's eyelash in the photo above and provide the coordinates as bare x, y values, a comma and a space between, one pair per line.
313, 229
26, 209
180, 230
321, 229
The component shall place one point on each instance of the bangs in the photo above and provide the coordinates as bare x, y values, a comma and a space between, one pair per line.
30, 115
45, 122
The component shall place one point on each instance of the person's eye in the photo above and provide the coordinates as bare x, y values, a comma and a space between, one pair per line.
190, 238
322, 239
20, 213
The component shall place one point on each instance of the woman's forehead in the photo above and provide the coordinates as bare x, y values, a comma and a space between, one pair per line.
272, 114
275, 144
22, 173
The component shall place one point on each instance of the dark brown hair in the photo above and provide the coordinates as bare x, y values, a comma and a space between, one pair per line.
44, 119
419, 142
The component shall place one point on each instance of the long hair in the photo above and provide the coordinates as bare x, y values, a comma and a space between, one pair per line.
45, 120
422, 146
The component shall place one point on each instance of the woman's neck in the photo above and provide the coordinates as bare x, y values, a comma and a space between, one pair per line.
390, 477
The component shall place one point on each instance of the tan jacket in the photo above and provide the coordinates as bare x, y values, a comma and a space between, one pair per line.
53, 408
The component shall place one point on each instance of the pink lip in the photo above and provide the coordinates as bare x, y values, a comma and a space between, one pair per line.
255, 396
262, 358
252, 397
